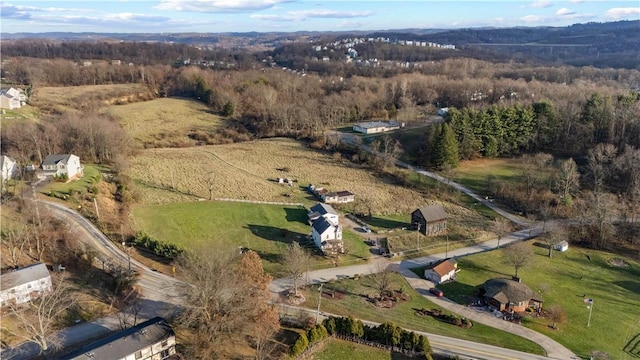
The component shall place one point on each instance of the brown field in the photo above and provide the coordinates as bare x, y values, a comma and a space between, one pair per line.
71, 98
247, 171
165, 121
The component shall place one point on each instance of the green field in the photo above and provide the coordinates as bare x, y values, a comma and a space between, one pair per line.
266, 229
88, 181
563, 280
165, 121
474, 174
355, 304
341, 349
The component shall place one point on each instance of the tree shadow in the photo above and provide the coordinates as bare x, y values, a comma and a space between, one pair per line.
632, 286
632, 347
276, 234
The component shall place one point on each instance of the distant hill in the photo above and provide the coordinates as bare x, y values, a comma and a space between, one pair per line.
613, 44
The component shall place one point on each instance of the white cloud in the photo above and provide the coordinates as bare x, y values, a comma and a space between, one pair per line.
217, 6
540, 4
576, 1
313, 13
532, 18
622, 13
564, 12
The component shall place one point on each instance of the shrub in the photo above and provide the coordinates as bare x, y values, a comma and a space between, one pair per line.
330, 325
300, 345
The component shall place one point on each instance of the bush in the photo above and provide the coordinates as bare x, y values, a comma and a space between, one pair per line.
300, 345
317, 333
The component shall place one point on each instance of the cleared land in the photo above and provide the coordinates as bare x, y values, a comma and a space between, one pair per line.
566, 279
266, 229
341, 349
165, 121
475, 173
355, 303
71, 98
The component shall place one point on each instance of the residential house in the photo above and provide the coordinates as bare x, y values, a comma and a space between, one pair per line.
338, 197
373, 127
62, 165
327, 236
9, 168
510, 295
151, 340
430, 220
320, 210
9, 102
443, 271
18, 94
25, 284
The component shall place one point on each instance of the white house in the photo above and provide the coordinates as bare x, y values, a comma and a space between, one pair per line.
61, 165
25, 284
151, 340
9, 102
445, 270
18, 94
9, 168
327, 236
321, 210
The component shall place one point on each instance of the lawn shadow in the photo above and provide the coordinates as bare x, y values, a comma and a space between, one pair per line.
632, 286
296, 215
633, 346
276, 234
385, 223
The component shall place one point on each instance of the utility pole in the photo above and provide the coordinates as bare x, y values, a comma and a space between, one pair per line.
590, 302
418, 237
319, 298
124, 245
446, 253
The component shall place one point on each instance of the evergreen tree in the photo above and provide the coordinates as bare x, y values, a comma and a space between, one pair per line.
444, 148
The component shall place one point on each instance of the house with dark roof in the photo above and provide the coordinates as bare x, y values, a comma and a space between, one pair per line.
151, 340
443, 271
61, 165
23, 285
327, 236
339, 197
323, 210
430, 220
510, 295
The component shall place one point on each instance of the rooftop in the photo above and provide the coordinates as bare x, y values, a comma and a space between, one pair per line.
24, 275
507, 290
54, 159
433, 212
323, 209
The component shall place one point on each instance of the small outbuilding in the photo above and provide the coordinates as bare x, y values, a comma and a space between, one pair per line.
562, 246
510, 295
430, 220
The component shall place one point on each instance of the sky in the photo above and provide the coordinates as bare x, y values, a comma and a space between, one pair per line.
216, 16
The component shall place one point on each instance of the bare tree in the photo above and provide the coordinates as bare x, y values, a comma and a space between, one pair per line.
553, 237
296, 262
517, 255
210, 181
600, 160
382, 278
556, 314
39, 319
568, 179
13, 241
501, 227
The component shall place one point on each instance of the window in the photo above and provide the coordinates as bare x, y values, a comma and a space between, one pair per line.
29, 286
164, 343
139, 354
165, 354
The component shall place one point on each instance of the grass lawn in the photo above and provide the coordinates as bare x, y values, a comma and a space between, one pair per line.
563, 280
89, 180
356, 305
165, 120
266, 229
474, 173
342, 349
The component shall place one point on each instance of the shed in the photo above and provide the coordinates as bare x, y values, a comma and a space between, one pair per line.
430, 220
441, 272
562, 246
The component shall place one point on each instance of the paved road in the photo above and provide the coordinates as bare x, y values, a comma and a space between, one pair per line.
440, 344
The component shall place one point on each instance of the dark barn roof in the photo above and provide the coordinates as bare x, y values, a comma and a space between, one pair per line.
433, 213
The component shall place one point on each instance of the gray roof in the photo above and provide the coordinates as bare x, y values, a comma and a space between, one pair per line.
376, 124
323, 209
433, 212
24, 275
126, 342
54, 159
507, 290
321, 225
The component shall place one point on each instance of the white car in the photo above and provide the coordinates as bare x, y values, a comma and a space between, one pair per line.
366, 229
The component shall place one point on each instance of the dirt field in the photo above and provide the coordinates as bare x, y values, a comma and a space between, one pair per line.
165, 122
248, 170
71, 98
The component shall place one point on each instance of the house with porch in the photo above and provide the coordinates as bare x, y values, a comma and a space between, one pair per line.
153, 339
510, 295
25, 284
430, 220
65, 165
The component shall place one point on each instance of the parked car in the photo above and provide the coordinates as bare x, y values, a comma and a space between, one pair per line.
366, 229
436, 292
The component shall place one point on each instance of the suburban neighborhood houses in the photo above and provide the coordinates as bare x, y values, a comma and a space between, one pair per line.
25, 284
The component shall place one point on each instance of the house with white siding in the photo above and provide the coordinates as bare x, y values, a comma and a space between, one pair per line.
9, 168
61, 165
23, 285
